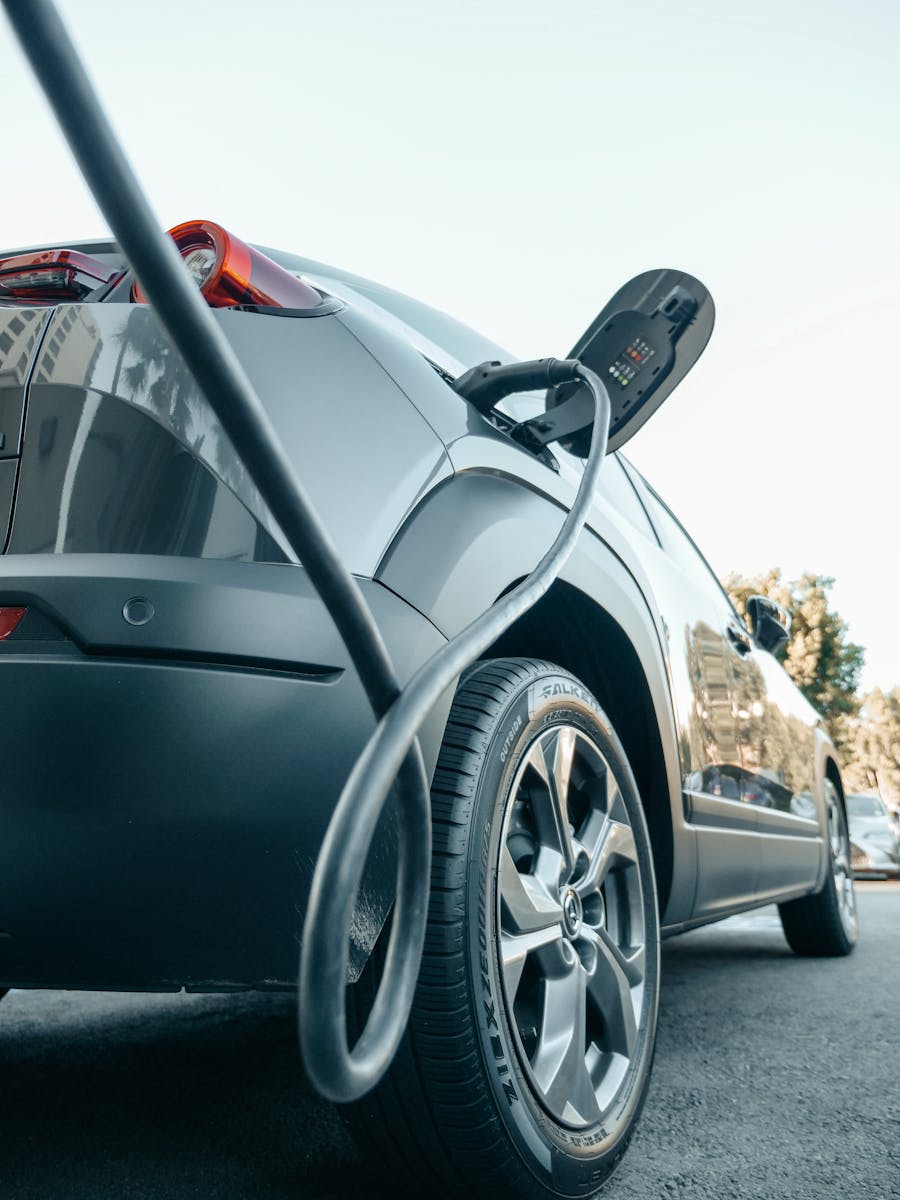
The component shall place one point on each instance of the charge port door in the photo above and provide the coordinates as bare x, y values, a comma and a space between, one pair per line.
641, 344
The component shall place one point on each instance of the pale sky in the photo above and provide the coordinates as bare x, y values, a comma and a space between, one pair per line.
513, 163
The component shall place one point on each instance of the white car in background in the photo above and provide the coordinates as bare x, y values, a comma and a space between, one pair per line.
874, 837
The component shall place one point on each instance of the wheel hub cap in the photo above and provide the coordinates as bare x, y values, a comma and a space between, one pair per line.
572, 912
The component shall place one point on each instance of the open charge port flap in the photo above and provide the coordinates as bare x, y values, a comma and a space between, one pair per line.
642, 344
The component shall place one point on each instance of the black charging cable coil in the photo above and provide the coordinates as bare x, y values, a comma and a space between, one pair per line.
338, 1072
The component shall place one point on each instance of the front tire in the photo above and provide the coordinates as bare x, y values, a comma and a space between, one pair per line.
529, 1048
824, 924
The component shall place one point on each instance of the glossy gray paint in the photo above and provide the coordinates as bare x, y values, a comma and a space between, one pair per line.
330, 400
100, 476
205, 749
479, 533
122, 455
495, 525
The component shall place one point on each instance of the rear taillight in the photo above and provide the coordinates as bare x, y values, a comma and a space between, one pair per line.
9, 619
51, 275
229, 272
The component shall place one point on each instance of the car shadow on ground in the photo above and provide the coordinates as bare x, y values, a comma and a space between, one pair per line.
191, 1095
201, 1095
179, 1096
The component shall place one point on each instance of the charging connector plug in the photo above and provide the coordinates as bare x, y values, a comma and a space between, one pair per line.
487, 384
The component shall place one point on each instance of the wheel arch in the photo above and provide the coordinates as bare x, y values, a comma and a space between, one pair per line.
568, 628
472, 539
832, 772
827, 767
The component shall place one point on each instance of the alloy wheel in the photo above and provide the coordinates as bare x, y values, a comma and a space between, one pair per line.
839, 845
571, 926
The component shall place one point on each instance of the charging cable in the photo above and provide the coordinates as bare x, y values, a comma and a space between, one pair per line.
339, 1073
392, 755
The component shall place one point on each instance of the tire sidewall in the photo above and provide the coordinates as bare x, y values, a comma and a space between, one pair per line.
566, 1161
849, 936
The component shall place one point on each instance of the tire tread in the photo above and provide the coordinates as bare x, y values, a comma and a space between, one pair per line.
447, 1139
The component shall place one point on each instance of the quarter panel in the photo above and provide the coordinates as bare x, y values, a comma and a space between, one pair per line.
364, 453
444, 410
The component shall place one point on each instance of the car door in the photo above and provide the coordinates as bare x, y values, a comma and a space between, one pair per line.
776, 731
707, 649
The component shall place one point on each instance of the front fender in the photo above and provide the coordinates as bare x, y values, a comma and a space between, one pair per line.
480, 532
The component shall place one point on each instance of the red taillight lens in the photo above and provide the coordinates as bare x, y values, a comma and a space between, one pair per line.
9, 619
229, 272
51, 276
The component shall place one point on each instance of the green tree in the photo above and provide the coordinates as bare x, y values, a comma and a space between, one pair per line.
819, 656
877, 744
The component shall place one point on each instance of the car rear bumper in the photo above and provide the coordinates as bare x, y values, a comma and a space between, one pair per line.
165, 787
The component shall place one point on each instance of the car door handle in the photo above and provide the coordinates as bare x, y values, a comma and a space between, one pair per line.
739, 639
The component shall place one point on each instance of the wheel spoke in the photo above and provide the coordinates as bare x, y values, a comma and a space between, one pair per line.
551, 756
583, 1095
841, 869
614, 844
614, 805
609, 988
574, 973
835, 832
514, 951
631, 961
558, 1064
527, 905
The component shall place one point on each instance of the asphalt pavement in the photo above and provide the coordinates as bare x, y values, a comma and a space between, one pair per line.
775, 1078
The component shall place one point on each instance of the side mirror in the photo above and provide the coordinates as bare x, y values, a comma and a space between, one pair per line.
642, 344
770, 623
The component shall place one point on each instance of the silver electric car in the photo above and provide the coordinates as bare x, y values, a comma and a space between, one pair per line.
628, 761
